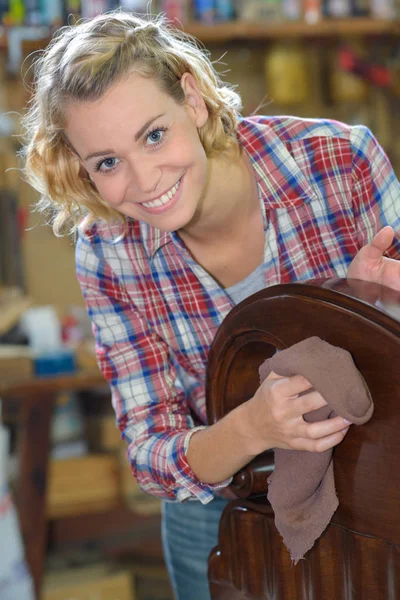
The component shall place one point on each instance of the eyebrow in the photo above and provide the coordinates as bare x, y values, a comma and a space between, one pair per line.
138, 135
146, 125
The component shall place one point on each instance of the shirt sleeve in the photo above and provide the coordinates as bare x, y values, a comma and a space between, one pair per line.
147, 395
376, 189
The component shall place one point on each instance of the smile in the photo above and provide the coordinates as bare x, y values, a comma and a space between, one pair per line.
164, 199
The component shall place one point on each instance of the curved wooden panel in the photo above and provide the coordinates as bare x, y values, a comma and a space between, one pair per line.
358, 555
343, 565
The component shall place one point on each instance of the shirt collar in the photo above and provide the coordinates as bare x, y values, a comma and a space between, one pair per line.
153, 239
281, 182
280, 179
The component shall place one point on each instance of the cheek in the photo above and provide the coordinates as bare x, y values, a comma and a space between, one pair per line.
109, 190
197, 162
188, 146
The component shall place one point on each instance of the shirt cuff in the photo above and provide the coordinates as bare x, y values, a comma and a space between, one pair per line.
189, 486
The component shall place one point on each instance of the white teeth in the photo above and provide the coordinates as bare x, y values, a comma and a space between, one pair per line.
164, 199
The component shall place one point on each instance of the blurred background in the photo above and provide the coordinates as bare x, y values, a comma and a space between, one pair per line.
73, 523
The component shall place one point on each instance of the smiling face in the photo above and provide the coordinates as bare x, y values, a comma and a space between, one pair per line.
142, 150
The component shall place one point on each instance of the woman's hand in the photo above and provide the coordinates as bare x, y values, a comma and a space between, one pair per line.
370, 264
273, 418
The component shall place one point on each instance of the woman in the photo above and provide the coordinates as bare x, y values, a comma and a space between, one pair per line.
183, 208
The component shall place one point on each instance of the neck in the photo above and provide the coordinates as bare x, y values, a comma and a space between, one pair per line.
228, 201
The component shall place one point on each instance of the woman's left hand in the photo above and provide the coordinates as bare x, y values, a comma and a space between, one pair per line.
370, 264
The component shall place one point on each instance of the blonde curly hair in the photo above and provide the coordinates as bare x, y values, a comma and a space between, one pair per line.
81, 63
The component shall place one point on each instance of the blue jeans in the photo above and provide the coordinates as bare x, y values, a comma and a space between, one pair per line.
189, 533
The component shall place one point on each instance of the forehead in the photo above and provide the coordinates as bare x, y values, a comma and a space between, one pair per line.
133, 89
126, 106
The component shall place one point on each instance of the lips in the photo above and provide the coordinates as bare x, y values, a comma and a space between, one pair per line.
164, 198
165, 201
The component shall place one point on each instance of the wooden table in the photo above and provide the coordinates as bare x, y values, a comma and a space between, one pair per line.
37, 397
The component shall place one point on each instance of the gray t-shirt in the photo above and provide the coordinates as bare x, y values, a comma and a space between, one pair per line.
250, 285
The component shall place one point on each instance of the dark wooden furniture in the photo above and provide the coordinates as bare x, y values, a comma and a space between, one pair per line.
358, 555
37, 398
119, 531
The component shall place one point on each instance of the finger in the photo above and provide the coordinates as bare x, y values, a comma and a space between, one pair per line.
322, 444
328, 442
308, 402
292, 386
321, 429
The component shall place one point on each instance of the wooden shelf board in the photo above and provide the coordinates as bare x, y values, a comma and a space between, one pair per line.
81, 380
245, 31
258, 31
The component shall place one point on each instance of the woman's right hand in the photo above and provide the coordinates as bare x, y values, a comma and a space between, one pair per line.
273, 417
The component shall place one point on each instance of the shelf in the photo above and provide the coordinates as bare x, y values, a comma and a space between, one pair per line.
119, 531
244, 31
81, 380
247, 31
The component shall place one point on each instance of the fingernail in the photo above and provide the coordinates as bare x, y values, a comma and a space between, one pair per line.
346, 421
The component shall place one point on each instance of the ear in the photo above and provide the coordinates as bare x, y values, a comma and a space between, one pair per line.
194, 100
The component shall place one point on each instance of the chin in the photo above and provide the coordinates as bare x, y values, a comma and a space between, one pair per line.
173, 222
170, 227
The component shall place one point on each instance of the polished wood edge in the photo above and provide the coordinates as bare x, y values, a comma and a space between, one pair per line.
370, 300
252, 480
367, 298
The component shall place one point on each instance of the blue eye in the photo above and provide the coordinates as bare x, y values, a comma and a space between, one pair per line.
155, 136
106, 164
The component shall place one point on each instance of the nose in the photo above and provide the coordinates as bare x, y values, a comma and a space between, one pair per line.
145, 176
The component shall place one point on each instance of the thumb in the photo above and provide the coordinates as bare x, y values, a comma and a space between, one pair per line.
381, 242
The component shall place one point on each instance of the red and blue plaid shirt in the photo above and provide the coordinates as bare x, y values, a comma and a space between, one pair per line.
325, 189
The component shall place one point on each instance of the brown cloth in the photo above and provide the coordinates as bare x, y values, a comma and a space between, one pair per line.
301, 490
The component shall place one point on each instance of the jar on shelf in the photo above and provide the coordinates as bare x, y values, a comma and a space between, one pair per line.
286, 73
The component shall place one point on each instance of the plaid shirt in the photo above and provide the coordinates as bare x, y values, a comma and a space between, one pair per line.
325, 189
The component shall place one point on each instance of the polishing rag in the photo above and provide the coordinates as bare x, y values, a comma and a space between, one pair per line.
301, 490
